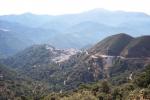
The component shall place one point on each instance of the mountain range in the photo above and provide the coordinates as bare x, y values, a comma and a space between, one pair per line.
78, 30
74, 56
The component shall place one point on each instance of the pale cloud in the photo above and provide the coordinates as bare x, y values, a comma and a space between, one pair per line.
55, 7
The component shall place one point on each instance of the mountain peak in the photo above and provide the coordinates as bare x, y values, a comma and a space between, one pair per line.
138, 47
122, 35
114, 43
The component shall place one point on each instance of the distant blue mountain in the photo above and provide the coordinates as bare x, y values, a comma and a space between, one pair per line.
10, 44
75, 30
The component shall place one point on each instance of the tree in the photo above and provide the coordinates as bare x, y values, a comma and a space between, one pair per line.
143, 79
105, 87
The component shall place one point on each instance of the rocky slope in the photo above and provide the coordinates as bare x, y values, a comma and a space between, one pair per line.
99, 62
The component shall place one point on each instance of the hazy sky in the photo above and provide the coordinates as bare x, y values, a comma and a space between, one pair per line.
55, 7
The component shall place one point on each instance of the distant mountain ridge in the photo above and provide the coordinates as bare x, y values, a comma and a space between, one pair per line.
10, 44
75, 30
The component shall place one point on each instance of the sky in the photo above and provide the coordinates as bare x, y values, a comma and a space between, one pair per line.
58, 7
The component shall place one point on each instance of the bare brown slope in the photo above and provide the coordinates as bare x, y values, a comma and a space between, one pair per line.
138, 47
113, 45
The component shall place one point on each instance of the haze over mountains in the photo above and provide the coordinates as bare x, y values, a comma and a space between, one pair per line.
43, 54
73, 30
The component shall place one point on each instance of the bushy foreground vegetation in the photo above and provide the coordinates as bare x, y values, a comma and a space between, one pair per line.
14, 87
135, 89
